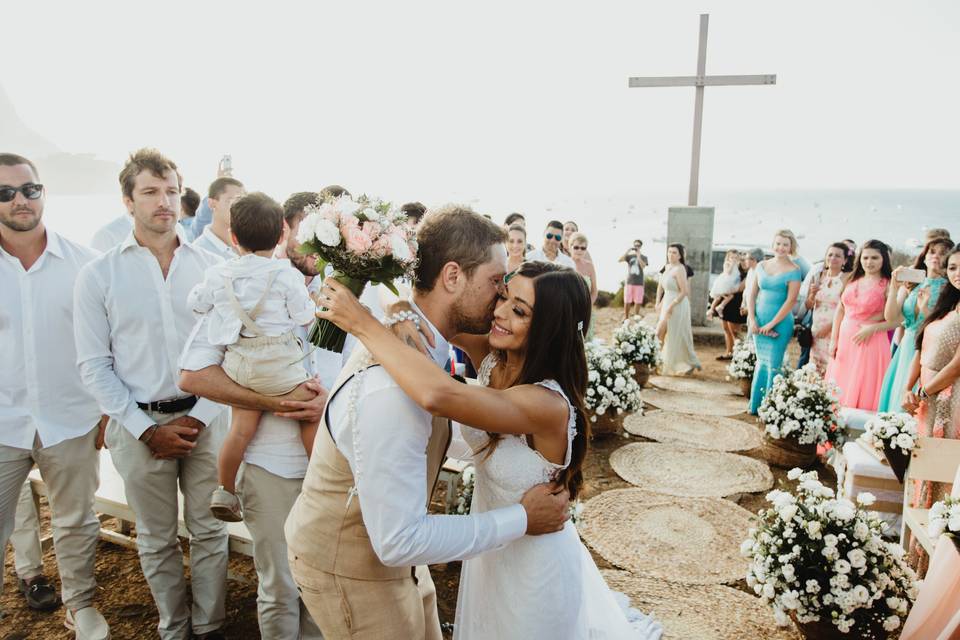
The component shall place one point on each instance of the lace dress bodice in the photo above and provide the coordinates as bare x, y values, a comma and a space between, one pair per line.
513, 466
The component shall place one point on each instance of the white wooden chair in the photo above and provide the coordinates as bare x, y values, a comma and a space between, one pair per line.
934, 460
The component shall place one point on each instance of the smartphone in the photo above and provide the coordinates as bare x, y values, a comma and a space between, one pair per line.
911, 275
226, 164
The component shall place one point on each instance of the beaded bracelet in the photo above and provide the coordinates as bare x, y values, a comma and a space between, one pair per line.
402, 316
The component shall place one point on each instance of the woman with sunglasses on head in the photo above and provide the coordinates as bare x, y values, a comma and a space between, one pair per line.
529, 427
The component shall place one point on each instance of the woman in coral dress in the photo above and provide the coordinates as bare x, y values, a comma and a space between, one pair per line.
937, 365
861, 345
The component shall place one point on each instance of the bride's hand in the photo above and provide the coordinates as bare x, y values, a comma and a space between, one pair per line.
341, 307
420, 338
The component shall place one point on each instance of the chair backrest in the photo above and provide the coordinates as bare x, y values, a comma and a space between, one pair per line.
934, 459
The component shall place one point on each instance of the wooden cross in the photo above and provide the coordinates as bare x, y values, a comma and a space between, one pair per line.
699, 81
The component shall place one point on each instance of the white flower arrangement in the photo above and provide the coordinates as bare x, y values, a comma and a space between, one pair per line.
637, 342
576, 512
744, 359
897, 430
944, 517
817, 557
610, 383
801, 405
465, 492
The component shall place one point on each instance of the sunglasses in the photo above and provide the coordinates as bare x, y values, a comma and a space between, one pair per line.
555, 236
30, 191
579, 247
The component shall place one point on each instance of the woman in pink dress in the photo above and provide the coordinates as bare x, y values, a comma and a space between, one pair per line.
937, 365
860, 344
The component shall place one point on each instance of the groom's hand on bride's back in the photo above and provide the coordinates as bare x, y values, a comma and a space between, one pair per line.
547, 507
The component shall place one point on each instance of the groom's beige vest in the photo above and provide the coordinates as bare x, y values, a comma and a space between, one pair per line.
327, 526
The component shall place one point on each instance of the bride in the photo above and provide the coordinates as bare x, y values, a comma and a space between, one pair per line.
529, 428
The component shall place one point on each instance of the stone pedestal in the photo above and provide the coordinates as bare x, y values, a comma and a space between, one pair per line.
693, 228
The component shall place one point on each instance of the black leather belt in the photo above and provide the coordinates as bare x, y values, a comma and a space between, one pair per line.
169, 406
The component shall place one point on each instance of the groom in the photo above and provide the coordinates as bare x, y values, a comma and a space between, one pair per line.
360, 531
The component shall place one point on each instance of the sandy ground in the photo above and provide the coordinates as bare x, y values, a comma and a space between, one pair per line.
125, 600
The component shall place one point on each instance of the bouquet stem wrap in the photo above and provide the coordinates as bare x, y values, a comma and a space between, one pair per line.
325, 334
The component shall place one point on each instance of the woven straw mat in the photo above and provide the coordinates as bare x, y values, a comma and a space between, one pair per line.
693, 473
695, 385
696, 403
688, 540
702, 612
703, 432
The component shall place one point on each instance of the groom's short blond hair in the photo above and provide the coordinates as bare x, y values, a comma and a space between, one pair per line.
453, 233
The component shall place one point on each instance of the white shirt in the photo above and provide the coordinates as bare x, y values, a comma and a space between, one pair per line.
131, 324
209, 241
287, 303
537, 255
40, 386
391, 486
277, 445
113, 233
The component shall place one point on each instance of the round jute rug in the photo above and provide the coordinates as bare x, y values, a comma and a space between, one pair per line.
696, 403
695, 385
717, 433
688, 540
693, 473
704, 612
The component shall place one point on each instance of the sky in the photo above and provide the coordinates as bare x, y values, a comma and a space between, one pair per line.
442, 101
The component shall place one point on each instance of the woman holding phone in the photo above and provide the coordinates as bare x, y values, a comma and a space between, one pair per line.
912, 293
770, 303
860, 345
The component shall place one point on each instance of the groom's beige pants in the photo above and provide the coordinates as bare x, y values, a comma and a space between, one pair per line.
351, 609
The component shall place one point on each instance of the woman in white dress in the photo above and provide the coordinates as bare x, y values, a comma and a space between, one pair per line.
530, 428
673, 305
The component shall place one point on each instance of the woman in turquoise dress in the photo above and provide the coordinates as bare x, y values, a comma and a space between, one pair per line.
770, 302
909, 306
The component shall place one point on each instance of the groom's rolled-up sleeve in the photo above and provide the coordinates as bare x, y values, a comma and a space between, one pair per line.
392, 434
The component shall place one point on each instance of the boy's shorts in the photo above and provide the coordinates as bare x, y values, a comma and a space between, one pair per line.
270, 365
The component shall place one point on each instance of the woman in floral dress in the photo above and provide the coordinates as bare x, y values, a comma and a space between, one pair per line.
823, 298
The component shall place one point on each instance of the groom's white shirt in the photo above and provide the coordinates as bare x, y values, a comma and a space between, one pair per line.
393, 431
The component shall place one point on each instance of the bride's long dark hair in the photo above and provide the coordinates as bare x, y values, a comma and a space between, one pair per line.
555, 351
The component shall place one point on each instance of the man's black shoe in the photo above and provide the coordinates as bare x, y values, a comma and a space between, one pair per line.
40, 594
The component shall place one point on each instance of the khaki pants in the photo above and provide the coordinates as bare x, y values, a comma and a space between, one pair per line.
151, 491
267, 499
351, 609
71, 473
27, 550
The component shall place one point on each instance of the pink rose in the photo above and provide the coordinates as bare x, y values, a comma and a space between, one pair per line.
356, 241
371, 229
382, 247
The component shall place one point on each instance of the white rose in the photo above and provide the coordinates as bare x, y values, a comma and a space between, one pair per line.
904, 441
399, 247
841, 566
891, 623
857, 558
305, 232
866, 499
327, 232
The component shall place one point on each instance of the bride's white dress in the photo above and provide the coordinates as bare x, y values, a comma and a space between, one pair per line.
538, 586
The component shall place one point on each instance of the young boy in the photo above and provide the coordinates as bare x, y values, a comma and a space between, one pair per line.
253, 303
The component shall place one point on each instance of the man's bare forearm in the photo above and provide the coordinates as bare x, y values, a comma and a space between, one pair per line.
213, 383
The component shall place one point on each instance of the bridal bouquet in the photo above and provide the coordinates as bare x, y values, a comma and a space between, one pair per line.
364, 241
893, 435
637, 342
744, 359
610, 384
802, 406
945, 518
823, 561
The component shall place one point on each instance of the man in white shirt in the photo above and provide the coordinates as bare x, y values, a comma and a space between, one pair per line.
113, 233
131, 321
366, 583
215, 237
47, 417
274, 461
552, 240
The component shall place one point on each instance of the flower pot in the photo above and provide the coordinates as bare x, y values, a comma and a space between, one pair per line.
745, 385
641, 373
788, 453
898, 459
609, 424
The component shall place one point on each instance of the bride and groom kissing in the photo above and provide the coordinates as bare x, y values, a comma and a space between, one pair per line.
360, 535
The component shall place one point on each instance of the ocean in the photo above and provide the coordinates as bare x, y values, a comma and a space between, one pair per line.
744, 217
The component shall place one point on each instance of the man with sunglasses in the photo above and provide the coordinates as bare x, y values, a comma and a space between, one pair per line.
552, 239
47, 416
